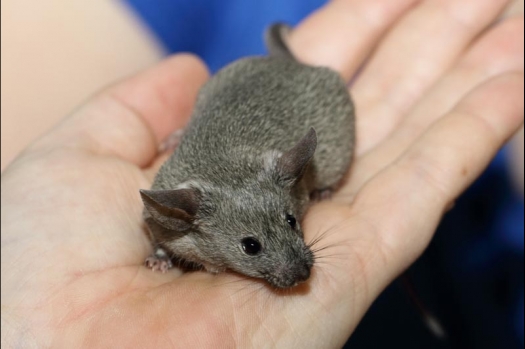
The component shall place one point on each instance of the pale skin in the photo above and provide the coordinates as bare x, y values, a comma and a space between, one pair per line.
434, 106
57, 53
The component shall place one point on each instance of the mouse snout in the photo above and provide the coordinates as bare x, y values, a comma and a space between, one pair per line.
289, 275
302, 273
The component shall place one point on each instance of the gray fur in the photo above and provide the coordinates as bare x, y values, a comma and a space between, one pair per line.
244, 127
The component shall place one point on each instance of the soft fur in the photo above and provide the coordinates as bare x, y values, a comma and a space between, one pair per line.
245, 161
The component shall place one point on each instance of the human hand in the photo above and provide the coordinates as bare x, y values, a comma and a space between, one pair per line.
434, 104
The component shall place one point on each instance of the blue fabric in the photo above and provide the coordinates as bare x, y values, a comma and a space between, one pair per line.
486, 227
218, 31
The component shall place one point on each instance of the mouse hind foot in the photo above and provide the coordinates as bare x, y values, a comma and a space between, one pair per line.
172, 142
321, 194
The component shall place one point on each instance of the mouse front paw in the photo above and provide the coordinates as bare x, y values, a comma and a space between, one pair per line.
159, 260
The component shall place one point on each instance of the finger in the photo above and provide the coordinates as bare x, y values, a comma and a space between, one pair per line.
411, 195
129, 119
342, 34
515, 8
151, 171
424, 45
500, 51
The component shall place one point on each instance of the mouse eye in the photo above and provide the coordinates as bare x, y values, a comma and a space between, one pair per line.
291, 220
251, 246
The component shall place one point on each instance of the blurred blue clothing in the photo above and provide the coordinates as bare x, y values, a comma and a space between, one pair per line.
486, 226
218, 31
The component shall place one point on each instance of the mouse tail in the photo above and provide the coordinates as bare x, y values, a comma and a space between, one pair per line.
432, 323
275, 40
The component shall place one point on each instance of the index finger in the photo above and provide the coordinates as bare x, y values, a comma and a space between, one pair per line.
343, 33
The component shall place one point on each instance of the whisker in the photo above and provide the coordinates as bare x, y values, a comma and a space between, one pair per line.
227, 283
322, 248
318, 237
250, 295
325, 233
334, 256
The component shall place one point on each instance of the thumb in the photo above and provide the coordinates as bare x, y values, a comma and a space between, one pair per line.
130, 118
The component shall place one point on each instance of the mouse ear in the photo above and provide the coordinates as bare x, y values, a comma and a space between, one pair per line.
173, 209
293, 163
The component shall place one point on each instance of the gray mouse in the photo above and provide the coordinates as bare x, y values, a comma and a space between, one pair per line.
266, 135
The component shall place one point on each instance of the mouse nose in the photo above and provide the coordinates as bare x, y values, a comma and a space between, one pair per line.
302, 273
290, 275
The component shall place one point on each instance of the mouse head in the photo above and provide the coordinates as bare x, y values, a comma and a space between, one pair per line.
253, 229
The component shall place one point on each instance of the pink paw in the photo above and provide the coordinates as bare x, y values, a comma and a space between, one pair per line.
320, 195
171, 142
159, 261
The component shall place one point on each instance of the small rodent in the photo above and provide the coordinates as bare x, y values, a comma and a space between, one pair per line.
266, 134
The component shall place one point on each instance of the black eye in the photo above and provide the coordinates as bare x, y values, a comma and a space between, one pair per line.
251, 246
291, 220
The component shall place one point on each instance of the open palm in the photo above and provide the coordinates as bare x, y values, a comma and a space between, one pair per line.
434, 103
